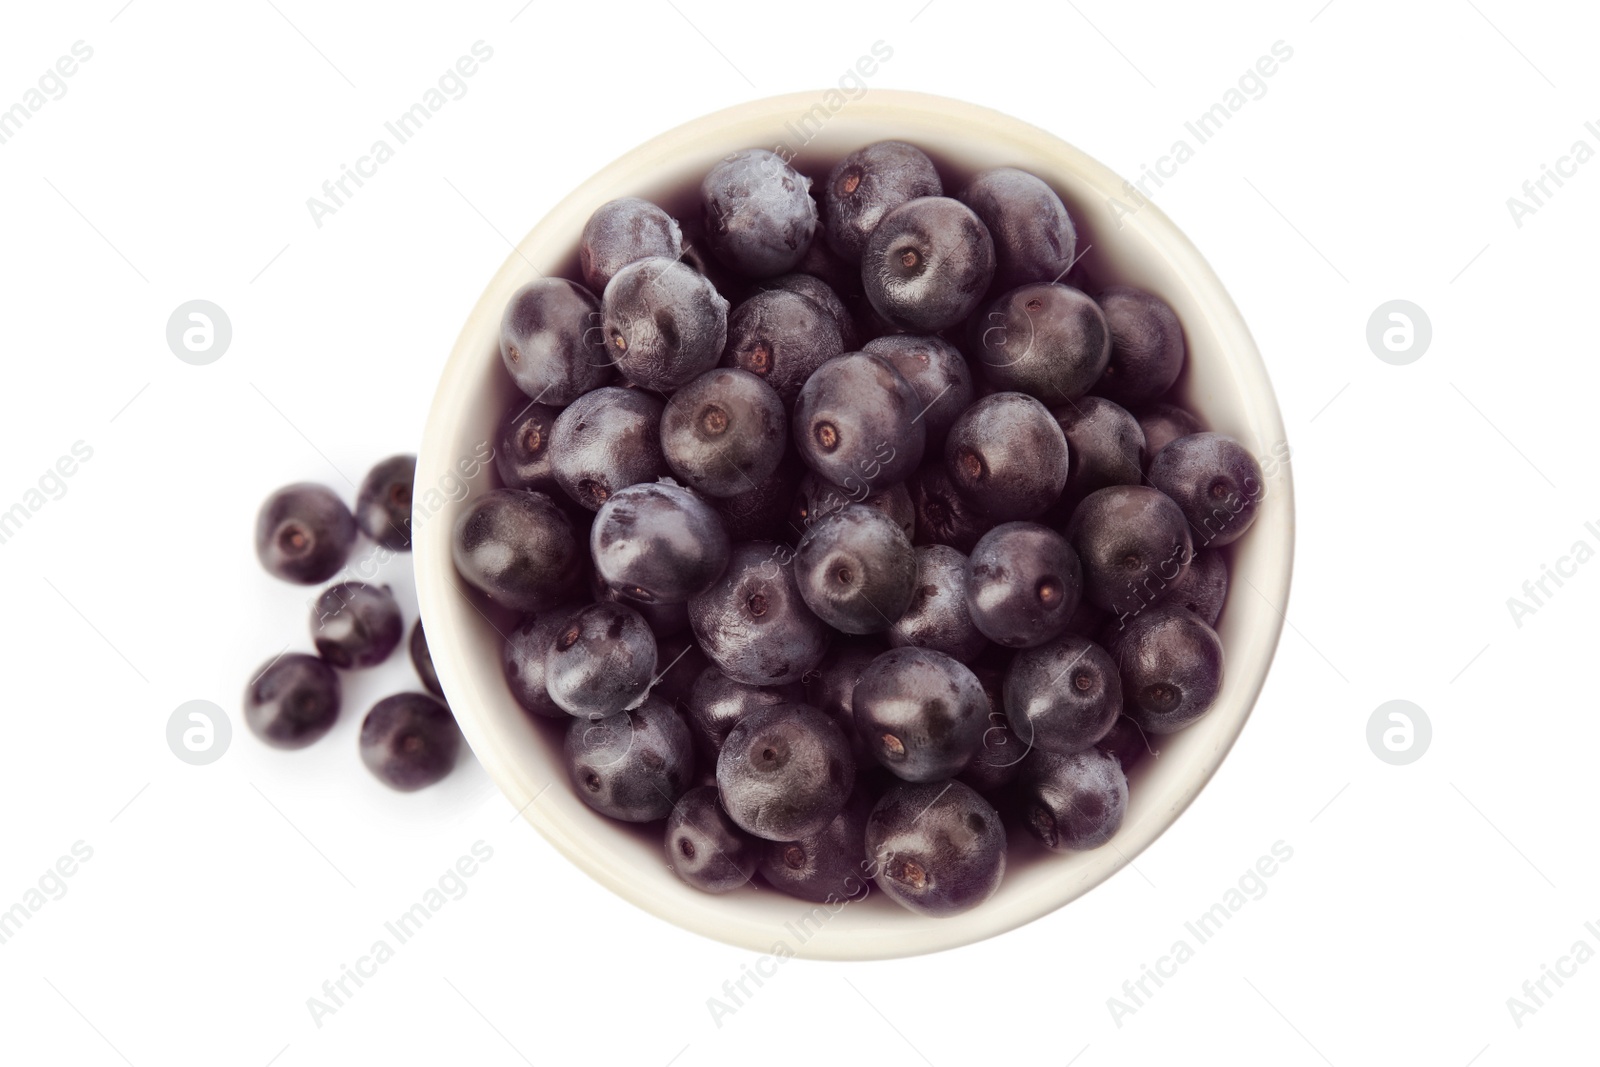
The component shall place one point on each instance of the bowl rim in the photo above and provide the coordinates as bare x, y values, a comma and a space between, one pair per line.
433, 561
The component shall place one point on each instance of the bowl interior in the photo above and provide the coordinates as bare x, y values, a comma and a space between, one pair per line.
1225, 383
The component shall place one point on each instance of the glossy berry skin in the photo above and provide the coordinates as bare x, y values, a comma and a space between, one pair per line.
1034, 238
522, 660
785, 772
753, 623
1007, 455
1215, 481
664, 323
937, 617
666, 619
355, 625
606, 441
717, 703
927, 264
703, 845
1203, 586
292, 701
826, 867
821, 293
658, 543
1171, 667
1047, 340
856, 569
869, 183
632, 766
999, 757
817, 498
1127, 743
944, 515
522, 454
422, 661
855, 423
1134, 543
936, 370
1023, 583
601, 661
1063, 696
625, 231
1105, 445
409, 741
1072, 803
725, 432
920, 713
383, 504
518, 549
550, 341
759, 215
782, 338
1147, 346
938, 847
1163, 424
304, 533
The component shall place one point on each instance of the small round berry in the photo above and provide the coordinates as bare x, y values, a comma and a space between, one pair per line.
1105, 445
938, 372
383, 505
304, 533
822, 291
937, 618
1215, 481
703, 845
1023, 584
999, 758
927, 264
550, 341
938, 847
1134, 544
817, 498
518, 549
725, 432
522, 660
717, 703
293, 701
1007, 455
829, 866
523, 455
1062, 696
1047, 340
1072, 803
624, 231
782, 338
785, 772
600, 661
1171, 667
1034, 238
856, 569
409, 741
920, 713
1203, 587
856, 423
633, 765
606, 441
356, 625
1147, 346
753, 623
664, 323
759, 215
1163, 424
658, 543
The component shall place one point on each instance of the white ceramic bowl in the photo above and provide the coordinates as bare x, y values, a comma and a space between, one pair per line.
1225, 382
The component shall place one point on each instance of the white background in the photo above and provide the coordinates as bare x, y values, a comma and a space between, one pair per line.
219, 898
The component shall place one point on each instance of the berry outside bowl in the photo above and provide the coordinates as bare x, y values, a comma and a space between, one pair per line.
1225, 382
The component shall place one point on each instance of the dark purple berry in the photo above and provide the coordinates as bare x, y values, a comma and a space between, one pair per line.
829, 866
523, 455
658, 543
920, 713
1105, 445
869, 183
522, 660
1047, 340
857, 424
927, 264
821, 291
601, 661
944, 515
725, 432
1171, 667
1215, 481
1147, 347
356, 625
1034, 239
938, 848
518, 548
633, 765
1134, 543
936, 370
1007, 455
717, 703
781, 337
1203, 586
551, 342
1072, 803
1023, 583
856, 569
293, 701
753, 623
937, 618
383, 505
785, 772
304, 533
703, 845
759, 215
1062, 696
422, 661
606, 441
409, 741
1163, 424
622, 232
664, 323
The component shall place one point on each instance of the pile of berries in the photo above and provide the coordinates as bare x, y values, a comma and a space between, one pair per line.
304, 534
848, 539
